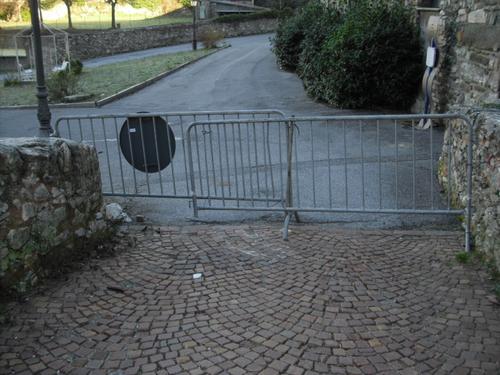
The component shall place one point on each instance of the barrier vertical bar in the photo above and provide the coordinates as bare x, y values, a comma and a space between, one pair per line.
119, 154
191, 173
362, 163
396, 154
107, 155
144, 155
345, 168
470, 166
158, 153
379, 167
289, 187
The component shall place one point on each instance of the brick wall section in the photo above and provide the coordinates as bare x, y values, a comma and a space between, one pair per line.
90, 44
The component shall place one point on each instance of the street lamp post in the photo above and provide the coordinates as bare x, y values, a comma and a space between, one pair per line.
194, 3
44, 115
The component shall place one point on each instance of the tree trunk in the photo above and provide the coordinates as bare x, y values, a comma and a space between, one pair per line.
113, 19
70, 22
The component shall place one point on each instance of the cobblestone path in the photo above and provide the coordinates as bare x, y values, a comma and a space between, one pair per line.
327, 301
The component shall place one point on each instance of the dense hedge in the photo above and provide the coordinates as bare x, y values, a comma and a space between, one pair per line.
366, 55
287, 45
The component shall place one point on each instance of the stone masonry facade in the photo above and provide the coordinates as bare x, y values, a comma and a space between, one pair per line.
50, 202
467, 33
468, 81
486, 178
90, 44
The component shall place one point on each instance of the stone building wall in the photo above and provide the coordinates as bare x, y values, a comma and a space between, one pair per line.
50, 203
486, 177
90, 44
468, 35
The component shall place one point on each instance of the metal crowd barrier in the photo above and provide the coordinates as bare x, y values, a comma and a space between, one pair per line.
119, 178
262, 161
350, 164
238, 164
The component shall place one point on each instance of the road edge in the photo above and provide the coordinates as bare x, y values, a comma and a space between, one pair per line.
121, 94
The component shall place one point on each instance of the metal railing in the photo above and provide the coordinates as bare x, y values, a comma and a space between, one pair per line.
352, 164
119, 178
262, 161
238, 164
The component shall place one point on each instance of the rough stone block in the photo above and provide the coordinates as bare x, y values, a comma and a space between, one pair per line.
484, 37
478, 16
486, 178
51, 193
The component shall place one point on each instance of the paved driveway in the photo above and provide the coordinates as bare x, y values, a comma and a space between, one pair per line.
246, 76
327, 301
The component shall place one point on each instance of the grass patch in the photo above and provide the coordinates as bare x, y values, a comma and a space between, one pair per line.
103, 21
462, 257
108, 79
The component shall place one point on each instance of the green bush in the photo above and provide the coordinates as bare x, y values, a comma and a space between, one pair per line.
61, 84
287, 44
25, 13
364, 55
310, 64
374, 58
462, 257
76, 66
11, 80
210, 38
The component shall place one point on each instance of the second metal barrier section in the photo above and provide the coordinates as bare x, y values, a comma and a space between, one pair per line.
238, 164
350, 164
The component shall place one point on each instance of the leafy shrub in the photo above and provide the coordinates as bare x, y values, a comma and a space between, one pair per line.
210, 38
462, 257
61, 84
310, 68
367, 54
25, 13
11, 80
287, 44
6, 11
76, 66
148, 4
373, 58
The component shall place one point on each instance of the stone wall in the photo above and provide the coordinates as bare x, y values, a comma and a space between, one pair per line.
468, 37
486, 177
90, 44
50, 203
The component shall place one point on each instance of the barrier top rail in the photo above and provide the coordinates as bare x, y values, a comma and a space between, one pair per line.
179, 113
384, 117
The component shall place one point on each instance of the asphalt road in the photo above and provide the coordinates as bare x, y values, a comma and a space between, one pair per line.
245, 76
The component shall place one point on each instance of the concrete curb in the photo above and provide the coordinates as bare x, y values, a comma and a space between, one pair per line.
139, 86
58, 105
121, 94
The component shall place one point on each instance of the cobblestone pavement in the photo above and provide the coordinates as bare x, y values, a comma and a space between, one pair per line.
327, 301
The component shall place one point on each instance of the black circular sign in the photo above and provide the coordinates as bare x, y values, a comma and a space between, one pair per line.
148, 143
